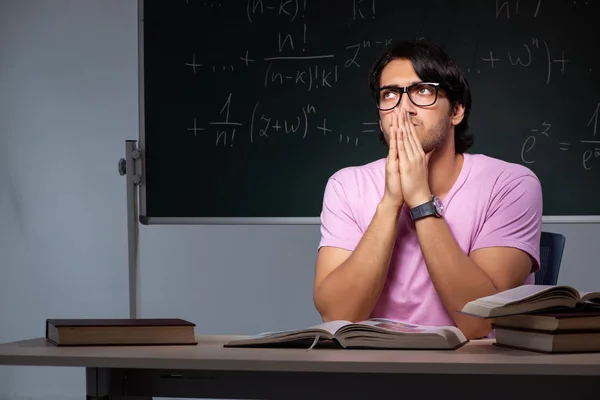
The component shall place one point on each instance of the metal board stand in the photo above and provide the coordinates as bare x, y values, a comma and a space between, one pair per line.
130, 167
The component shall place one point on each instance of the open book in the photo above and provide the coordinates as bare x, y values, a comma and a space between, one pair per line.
376, 333
531, 298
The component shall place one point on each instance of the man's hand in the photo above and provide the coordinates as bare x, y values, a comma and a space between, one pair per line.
413, 164
393, 189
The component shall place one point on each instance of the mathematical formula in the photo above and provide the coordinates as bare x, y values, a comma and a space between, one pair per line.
264, 124
289, 60
543, 135
524, 57
294, 9
311, 71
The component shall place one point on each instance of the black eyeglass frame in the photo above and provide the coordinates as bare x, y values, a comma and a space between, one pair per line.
406, 89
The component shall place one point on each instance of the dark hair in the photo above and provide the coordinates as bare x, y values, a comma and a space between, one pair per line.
432, 64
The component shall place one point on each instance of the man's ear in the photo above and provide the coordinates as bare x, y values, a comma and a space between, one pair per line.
457, 114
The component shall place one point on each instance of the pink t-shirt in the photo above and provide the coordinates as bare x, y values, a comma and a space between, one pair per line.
492, 203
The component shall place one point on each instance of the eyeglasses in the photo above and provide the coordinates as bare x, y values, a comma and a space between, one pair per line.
420, 94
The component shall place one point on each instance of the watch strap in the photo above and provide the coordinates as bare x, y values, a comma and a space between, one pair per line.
423, 210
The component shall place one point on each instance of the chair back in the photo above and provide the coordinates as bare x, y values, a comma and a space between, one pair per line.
551, 252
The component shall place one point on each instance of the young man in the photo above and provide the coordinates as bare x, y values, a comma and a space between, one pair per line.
431, 227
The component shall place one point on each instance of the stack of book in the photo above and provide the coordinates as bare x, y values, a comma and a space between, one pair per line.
542, 318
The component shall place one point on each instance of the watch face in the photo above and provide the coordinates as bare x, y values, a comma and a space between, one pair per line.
439, 206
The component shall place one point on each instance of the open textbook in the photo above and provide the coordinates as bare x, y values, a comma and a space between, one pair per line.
532, 298
376, 333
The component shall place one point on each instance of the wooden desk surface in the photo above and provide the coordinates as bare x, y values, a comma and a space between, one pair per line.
478, 357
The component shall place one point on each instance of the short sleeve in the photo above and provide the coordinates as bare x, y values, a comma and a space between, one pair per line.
515, 218
339, 227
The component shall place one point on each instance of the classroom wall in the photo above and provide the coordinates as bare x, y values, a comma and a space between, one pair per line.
68, 102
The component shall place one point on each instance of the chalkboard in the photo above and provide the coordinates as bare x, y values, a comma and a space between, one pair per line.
249, 106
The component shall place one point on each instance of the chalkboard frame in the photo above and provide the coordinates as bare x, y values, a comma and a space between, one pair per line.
142, 194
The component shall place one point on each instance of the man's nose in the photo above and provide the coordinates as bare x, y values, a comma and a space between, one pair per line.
405, 102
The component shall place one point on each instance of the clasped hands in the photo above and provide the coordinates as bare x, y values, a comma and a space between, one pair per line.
406, 165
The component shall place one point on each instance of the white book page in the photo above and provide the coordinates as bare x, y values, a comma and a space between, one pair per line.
407, 327
449, 333
330, 327
592, 297
515, 294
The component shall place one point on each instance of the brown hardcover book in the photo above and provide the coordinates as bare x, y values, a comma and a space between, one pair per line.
120, 332
558, 321
584, 341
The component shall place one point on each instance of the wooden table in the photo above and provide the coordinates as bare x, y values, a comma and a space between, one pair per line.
478, 370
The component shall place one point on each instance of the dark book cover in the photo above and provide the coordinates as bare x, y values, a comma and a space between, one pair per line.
84, 322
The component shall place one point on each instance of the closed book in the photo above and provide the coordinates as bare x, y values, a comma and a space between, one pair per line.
123, 332
586, 341
557, 321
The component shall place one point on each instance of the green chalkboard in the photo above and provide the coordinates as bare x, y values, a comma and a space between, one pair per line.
249, 106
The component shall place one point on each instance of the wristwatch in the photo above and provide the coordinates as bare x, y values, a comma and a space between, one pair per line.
434, 207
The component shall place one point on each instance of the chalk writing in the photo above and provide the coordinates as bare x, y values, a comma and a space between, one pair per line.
503, 8
588, 154
286, 8
362, 9
286, 39
317, 57
526, 148
578, 3
223, 138
324, 127
352, 60
311, 77
353, 50
564, 145
195, 128
523, 57
265, 124
346, 139
221, 67
246, 59
370, 127
594, 118
288, 65
225, 128
544, 131
206, 3
193, 64
221, 132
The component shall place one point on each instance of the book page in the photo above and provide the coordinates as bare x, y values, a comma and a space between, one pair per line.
383, 329
328, 327
332, 326
395, 326
590, 296
528, 292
